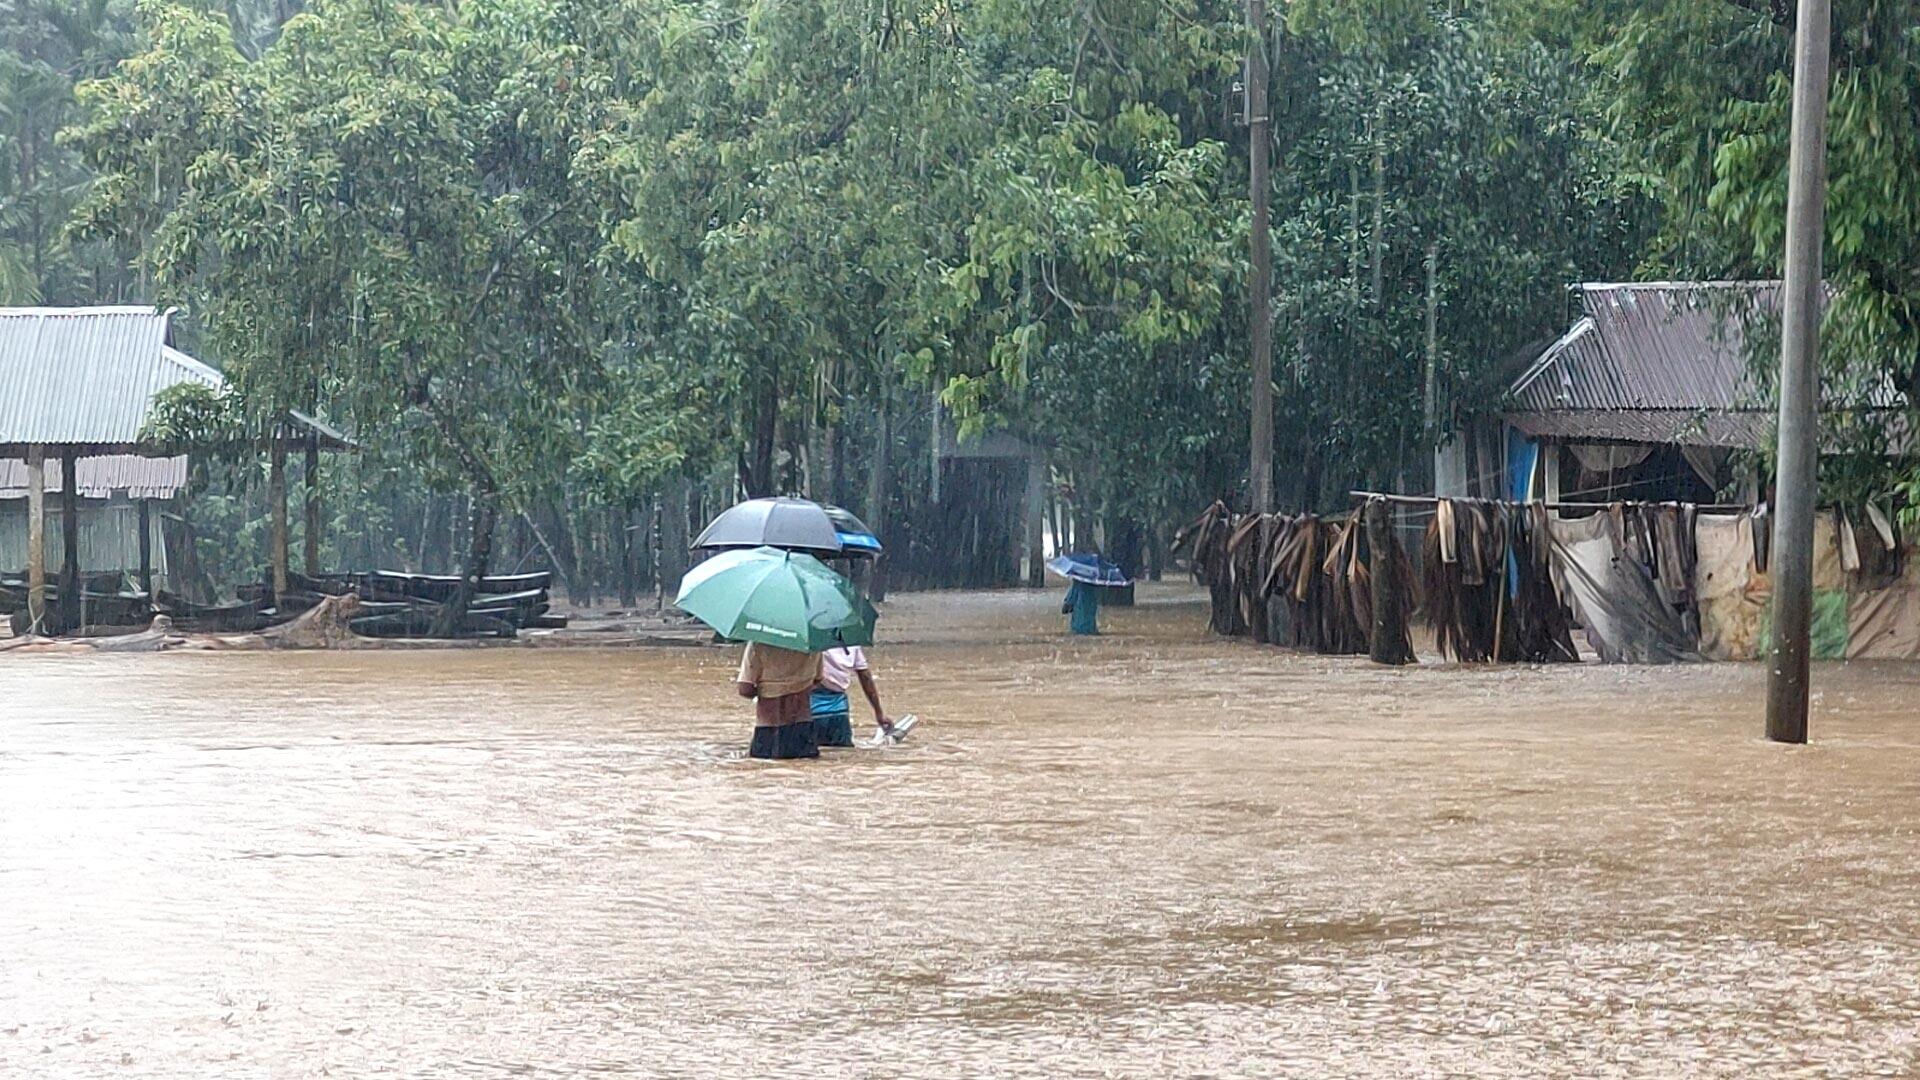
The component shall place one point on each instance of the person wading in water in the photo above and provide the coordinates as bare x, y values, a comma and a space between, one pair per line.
780, 682
832, 715
1083, 603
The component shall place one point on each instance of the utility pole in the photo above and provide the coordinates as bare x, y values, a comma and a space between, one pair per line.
1260, 298
1798, 456
1430, 394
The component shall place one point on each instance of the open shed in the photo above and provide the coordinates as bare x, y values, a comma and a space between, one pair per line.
76, 389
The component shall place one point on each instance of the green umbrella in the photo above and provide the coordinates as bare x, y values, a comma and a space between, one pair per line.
780, 598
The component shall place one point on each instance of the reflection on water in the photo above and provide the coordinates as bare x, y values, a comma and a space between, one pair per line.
1150, 854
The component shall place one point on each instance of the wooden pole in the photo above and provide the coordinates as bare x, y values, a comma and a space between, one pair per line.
1798, 455
311, 489
36, 539
146, 548
70, 606
277, 514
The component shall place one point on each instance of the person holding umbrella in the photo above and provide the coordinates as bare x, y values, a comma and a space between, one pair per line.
1086, 575
780, 682
789, 607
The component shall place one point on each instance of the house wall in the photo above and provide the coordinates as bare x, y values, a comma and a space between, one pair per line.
109, 536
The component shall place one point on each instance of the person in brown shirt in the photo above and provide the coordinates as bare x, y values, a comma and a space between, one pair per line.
780, 682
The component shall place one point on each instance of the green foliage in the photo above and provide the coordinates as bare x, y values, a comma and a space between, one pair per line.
1703, 90
44, 47
558, 254
192, 419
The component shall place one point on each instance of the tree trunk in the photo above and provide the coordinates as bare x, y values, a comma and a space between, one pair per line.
1156, 552
1036, 542
311, 485
277, 515
673, 537
485, 508
759, 473
560, 546
1083, 526
619, 522
1379, 237
581, 540
837, 460
647, 553
879, 480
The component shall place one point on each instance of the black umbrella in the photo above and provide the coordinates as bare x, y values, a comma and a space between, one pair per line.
787, 523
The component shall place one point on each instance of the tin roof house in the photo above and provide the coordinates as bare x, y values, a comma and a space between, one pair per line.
1648, 395
77, 478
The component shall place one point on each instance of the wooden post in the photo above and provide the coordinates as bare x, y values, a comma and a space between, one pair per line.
311, 487
36, 539
146, 548
70, 607
1388, 641
277, 515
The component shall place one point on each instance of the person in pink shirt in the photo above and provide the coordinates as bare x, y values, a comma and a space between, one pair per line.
832, 714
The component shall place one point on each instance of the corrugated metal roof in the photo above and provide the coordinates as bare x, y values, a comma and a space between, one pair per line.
1657, 345
1662, 361
86, 376
1748, 429
99, 477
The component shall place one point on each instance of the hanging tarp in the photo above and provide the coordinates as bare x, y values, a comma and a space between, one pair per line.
1614, 596
1730, 592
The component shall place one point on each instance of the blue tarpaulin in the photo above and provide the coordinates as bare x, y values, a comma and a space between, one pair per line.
1523, 454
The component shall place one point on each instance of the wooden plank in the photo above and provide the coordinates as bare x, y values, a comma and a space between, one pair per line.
70, 611
146, 547
36, 539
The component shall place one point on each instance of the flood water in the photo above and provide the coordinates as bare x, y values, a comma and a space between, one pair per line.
1151, 854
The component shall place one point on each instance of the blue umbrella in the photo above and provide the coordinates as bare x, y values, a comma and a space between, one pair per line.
856, 540
1089, 569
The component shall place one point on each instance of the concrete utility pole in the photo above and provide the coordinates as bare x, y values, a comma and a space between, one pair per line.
1430, 393
1260, 298
1799, 450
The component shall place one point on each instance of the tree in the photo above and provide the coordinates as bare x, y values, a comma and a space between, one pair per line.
371, 221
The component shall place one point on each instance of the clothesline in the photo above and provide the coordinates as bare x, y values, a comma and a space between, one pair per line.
1428, 500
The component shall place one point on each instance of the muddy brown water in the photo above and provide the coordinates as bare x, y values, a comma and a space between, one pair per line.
1151, 854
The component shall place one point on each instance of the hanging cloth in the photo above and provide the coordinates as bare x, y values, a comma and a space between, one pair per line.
1615, 598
